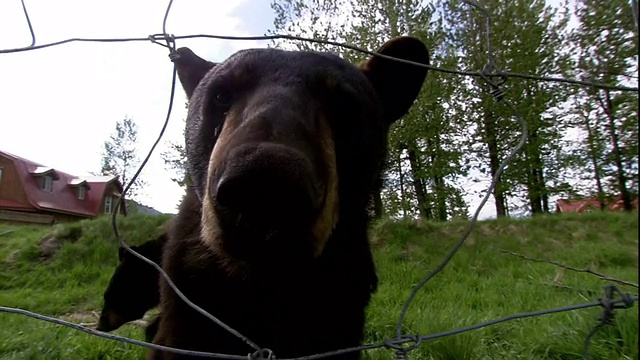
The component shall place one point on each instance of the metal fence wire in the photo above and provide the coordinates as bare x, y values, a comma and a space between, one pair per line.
611, 300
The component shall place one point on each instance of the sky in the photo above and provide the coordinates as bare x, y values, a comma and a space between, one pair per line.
60, 104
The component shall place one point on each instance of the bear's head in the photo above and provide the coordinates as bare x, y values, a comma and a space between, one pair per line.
134, 286
283, 146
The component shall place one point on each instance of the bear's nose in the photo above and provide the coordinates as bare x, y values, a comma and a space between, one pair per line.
268, 187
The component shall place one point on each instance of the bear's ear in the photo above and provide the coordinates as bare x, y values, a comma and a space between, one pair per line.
190, 68
396, 83
122, 252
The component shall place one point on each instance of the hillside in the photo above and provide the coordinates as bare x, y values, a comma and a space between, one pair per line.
136, 207
485, 280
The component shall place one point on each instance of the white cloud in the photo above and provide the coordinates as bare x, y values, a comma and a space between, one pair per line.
60, 104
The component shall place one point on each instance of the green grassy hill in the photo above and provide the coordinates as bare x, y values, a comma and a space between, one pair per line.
482, 282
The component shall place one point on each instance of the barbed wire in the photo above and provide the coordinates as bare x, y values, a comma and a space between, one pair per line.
26, 15
498, 95
105, 335
333, 43
572, 268
170, 44
608, 302
488, 74
155, 37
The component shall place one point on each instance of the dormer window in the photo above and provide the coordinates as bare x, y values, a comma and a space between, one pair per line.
47, 183
81, 192
45, 176
107, 204
80, 186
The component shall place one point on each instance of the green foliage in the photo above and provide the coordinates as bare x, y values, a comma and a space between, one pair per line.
175, 159
607, 49
120, 158
479, 284
425, 158
457, 133
527, 37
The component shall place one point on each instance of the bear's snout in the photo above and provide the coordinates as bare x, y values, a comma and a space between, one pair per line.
110, 320
266, 191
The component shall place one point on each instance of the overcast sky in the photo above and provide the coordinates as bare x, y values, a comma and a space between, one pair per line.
61, 103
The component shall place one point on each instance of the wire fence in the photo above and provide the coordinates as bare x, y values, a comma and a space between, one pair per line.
611, 300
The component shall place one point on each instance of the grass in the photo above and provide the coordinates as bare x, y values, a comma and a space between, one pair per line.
479, 284
71, 282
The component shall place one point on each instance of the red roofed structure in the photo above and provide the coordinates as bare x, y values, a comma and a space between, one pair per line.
32, 192
591, 204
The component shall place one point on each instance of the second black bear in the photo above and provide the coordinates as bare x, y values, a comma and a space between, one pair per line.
134, 287
284, 149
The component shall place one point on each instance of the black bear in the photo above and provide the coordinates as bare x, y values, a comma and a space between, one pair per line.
134, 288
284, 149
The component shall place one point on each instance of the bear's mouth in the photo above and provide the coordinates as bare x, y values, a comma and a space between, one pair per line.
266, 198
256, 229
254, 236
110, 320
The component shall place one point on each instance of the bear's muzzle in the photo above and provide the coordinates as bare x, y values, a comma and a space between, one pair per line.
266, 192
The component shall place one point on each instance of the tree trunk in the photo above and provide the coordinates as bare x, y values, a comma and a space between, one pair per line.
377, 198
494, 164
533, 193
541, 193
440, 190
634, 10
545, 193
401, 174
438, 198
417, 184
537, 187
441, 203
617, 156
594, 161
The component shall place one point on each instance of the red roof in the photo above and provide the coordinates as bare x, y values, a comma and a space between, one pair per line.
581, 205
63, 195
13, 205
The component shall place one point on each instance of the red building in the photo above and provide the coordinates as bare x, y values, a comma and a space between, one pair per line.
34, 193
591, 204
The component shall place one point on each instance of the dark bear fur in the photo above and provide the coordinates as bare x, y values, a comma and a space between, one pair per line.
133, 288
284, 149
151, 329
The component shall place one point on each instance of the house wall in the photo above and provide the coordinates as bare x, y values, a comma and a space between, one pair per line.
39, 217
10, 184
65, 217
8, 216
110, 190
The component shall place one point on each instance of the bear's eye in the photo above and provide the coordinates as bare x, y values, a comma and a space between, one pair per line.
222, 99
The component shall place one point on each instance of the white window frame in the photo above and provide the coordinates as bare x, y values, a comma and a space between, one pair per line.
47, 183
81, 192
108, 200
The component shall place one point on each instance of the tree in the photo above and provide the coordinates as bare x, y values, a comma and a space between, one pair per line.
606, 42
175, 161
423, 158
119, 156
527, 37
175, 158
589, 153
